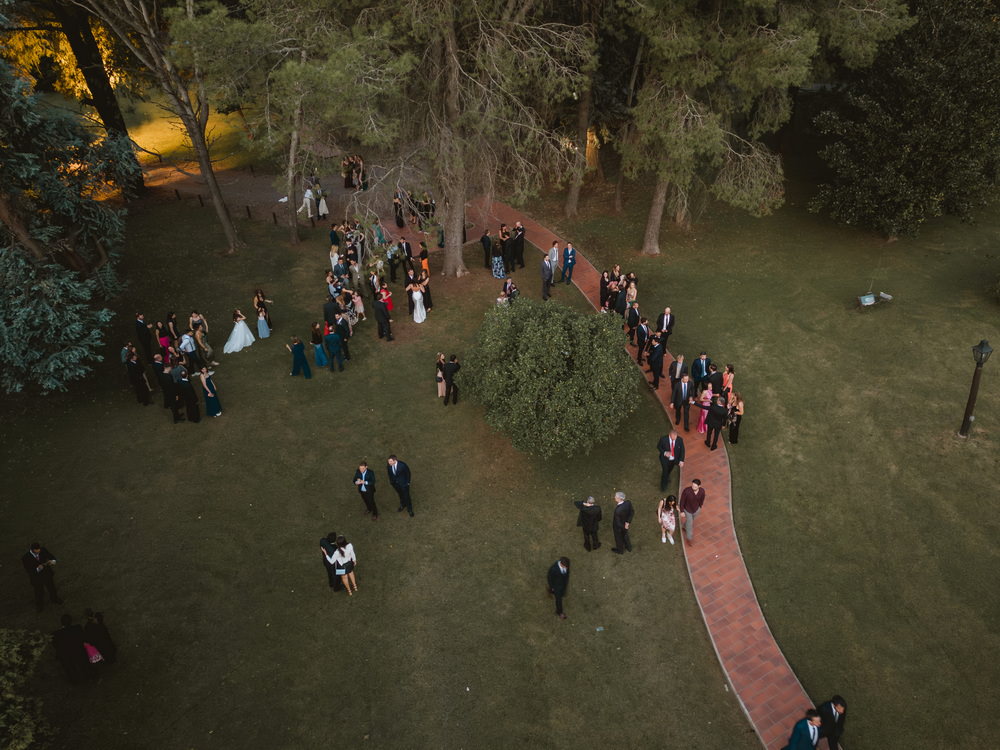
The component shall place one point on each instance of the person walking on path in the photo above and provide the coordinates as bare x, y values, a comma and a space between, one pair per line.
717, 414
451, 369
692, 498
681, 399
38, 563
364, 478
399, 478
299, 361
666, 516
832, 715
671, 450
621, 522
589, 520
805, 733
547, 270
559, 583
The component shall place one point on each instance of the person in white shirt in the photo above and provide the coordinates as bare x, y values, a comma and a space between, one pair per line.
343, 559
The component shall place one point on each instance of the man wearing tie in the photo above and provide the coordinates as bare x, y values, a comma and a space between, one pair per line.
671, 450
805, 734
677, 370
487, 244
364, 478
407, 250
632, 320
399, 478
680, 399
546, 278
665, 324
569, 260
558, 580
699, 370
38, 563
620, 523
832, 716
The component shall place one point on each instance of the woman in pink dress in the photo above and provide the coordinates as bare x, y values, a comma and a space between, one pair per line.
727, 381
706, 400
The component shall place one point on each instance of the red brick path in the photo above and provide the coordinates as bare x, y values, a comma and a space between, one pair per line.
767, 689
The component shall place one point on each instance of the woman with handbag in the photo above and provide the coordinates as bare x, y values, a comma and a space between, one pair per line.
343, 559
439, 374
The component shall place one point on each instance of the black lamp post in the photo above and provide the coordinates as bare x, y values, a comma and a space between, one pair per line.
981, 352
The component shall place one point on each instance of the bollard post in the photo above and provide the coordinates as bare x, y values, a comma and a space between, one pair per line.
248, 213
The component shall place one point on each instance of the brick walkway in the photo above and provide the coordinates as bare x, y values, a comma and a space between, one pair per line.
768, 691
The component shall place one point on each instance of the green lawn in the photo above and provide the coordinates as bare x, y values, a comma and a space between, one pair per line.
869, 529
200, 543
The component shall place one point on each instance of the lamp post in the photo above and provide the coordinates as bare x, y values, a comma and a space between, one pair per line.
981, 352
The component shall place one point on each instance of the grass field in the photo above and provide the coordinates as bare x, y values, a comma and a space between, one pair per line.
870, 530
200, 543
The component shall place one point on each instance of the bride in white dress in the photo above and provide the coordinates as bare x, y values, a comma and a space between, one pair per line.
419, 313
241, 337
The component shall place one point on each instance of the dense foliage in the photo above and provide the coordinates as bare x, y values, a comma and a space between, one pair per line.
917, 135
557, 381
21, 723
57, 239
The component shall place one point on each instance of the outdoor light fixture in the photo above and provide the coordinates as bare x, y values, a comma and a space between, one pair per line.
980, 352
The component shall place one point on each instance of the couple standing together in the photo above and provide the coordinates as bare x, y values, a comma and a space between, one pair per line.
399, 478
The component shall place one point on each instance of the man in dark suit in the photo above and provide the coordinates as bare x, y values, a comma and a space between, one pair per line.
327, 546
715, 421
330, 310
714, 379
137, 377
382, 318
621, 522
676, 371
832, 715
517, 237
656, 361
546, 278
189, 397
621, 301
399, 478
665, 324
487, 242
589, 520
558, 583
344, 329
699, 370
70, 651
334, 344
641, 337
38, 563
680, 399
569, 260
451, 367
632, 321
143, 335
169, 387
407, 250
805, 733
364, 478
671, 450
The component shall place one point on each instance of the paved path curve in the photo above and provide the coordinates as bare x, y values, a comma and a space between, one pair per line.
767, 689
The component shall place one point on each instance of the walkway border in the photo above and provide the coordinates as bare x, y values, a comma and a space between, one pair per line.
767, 689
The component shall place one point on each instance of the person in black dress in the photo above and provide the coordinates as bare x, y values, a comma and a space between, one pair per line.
95, 632
327, 546
68, 643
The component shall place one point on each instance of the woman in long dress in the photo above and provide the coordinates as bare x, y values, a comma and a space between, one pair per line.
705, 399
499, 272
317, 342
425, 282
439, 374
263, 329
241, 337
213, 407
419, 313
260, 302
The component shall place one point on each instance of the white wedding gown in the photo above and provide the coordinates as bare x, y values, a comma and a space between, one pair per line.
419, 313
240, 338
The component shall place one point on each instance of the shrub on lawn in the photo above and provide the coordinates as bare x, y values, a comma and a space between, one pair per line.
554, 379
21, 721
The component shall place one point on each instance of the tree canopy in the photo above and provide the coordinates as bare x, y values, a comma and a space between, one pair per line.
916, 135
557, 381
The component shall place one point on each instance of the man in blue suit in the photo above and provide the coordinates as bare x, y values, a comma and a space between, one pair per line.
399, 478
333, 342
699, 370
805, 734
569, 260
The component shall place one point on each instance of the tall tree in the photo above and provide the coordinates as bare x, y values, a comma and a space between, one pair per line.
717, 78
40, 30
57, 239
141, 26
916, 135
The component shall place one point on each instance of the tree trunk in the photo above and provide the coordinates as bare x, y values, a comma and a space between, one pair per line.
619, 184
454, 224
453, 156
580, 168
293, 212
651, 240
75, 23
20, 230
